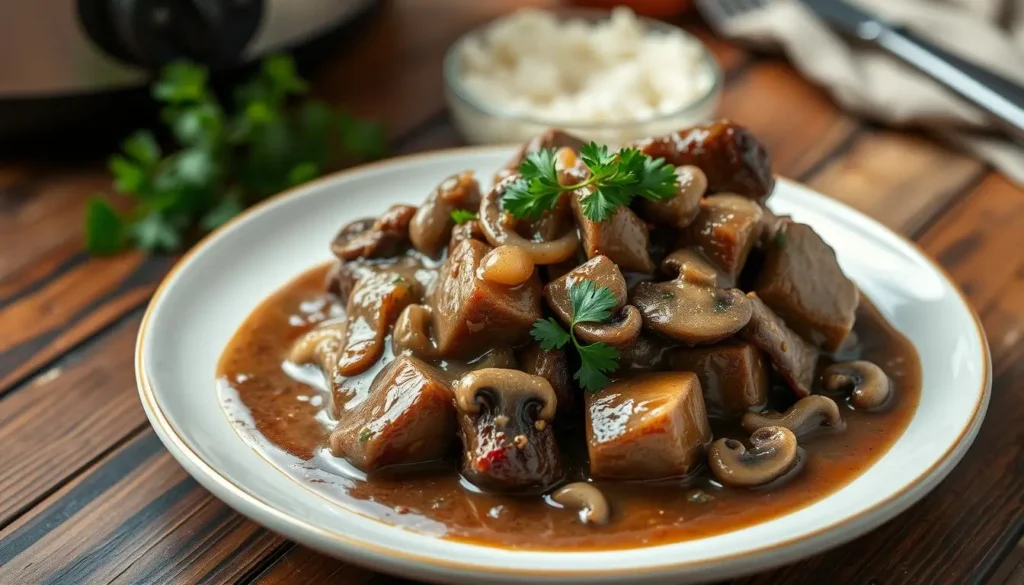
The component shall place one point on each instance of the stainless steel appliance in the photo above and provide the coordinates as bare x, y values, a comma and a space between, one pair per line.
59, 53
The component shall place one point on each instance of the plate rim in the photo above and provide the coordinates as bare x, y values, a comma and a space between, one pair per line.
784, 551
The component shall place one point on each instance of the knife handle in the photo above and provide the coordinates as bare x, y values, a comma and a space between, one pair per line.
994, 94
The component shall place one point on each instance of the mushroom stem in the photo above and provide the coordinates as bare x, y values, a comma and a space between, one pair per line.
773, 453
869, 387
808, 415
511, 385
498, 234
591, 503
412, 332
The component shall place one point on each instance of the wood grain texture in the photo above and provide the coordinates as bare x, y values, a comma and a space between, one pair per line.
904, 196
66, 418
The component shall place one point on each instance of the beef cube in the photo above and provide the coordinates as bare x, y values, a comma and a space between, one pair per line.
549, 364
733, 376
407, 417
803, 283
599, 270
471, 314
650, 426
733, 160
792, 357
724, 231
623, 238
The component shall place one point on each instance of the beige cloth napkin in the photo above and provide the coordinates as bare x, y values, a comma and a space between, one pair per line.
870, 83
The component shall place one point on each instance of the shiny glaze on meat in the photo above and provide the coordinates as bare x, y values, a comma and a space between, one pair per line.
283, 411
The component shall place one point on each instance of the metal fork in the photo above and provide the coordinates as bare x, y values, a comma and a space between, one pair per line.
718, 12
1001, 98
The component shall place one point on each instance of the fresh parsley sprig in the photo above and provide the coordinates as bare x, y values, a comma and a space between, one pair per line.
228, 155
615, 178
590, 303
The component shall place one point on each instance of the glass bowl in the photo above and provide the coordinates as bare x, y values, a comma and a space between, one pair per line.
483, 122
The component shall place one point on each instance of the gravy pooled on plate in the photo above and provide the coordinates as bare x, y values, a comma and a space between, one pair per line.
587, 363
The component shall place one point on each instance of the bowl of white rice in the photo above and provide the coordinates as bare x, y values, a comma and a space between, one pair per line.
605, 76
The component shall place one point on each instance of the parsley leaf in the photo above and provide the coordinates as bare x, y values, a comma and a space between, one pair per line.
226, 156
596, 361
549, 334
462, 216
589, 303
104, 228
615, 178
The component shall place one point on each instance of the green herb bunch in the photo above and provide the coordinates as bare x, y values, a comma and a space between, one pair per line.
590, 304
615, 178
227, 159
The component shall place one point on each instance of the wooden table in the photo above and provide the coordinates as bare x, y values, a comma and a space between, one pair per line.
88, 494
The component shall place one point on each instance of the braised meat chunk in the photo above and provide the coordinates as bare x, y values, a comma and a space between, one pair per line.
733, 160
733, 376
623, 238
408, 417
650, 426
803, 283
724, 231
384, 237
472, 314
793, 357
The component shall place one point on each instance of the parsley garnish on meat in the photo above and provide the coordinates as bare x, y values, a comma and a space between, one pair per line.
462, 216
590, 303
615, 178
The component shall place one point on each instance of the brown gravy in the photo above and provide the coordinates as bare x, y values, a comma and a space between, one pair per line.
281, 411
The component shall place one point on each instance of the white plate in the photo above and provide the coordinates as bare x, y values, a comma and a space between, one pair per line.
211, 291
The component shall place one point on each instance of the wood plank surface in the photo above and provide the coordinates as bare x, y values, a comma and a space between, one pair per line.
88, 494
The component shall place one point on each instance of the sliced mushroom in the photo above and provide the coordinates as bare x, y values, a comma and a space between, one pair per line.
693, 267
432, 224
869, 387
773, 453
372, 308
809, 414
679, 211
321, 346
508, 265
499, 229
619, 332
513, 386
691, 313
591, 503
412, 332
386, 236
